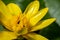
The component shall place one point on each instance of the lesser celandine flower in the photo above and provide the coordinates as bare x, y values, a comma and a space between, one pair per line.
23, 24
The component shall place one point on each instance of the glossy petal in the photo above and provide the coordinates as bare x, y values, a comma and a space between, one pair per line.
4, 10
5, 15
33, 36
43, 24
32, 9
38, 17
15, 11
16, 14
6, 35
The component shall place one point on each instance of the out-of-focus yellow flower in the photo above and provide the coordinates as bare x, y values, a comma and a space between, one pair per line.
23, 24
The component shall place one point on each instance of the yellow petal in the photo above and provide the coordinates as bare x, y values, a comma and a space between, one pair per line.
3, 9
32, 9
5, 15
38, 17
15, 11
6, 35
33, 36
10, 21
43, 24
4, 12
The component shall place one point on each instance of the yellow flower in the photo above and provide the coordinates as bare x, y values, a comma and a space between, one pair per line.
23, 24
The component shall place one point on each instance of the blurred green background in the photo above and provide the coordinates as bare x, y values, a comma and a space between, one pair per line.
52, 32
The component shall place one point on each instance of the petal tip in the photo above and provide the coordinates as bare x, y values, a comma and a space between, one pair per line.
53, 19
46, 9
36, 2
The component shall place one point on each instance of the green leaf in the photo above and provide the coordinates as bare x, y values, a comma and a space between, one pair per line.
54, 9
51, 32
57, 38
1, 28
